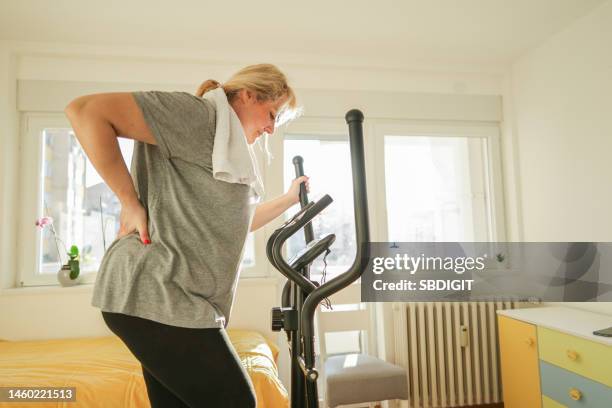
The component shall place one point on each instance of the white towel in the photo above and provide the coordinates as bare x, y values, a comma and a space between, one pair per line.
233, 159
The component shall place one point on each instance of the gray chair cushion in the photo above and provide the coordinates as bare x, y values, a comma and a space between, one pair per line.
355, 378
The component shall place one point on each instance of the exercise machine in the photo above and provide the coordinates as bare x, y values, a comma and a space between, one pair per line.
301, 296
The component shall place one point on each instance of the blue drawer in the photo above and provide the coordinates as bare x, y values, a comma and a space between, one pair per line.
557, 383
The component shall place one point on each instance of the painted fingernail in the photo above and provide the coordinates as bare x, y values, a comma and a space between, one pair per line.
147, 242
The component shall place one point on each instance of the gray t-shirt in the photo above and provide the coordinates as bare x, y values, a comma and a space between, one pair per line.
198, 225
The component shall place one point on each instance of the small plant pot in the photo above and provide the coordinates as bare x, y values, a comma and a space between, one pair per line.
63, 276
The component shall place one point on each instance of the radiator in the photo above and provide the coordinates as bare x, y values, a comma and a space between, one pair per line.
450, 351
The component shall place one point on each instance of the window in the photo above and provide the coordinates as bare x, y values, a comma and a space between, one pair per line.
327, 162
84, 209
426, 182
439, 185
61, 182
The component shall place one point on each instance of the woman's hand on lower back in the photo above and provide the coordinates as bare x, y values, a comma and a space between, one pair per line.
133, 218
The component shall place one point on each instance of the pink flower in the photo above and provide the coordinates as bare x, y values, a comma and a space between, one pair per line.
43, 222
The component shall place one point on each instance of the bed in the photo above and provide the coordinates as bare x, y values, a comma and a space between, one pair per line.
106, 374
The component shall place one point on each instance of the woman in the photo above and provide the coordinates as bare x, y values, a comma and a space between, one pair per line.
166, 284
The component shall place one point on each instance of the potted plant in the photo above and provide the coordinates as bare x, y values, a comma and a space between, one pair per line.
69, 273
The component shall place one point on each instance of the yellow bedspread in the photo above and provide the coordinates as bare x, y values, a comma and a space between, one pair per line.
106, 374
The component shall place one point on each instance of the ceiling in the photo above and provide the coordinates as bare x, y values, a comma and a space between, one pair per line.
392, 33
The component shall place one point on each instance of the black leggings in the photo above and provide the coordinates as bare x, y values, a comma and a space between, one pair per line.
185, 367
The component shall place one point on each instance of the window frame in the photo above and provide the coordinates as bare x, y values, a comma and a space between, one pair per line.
258, 271
479, 130
31, 207
374, 131
30, 197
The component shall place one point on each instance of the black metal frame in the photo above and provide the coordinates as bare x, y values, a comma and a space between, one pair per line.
301, 296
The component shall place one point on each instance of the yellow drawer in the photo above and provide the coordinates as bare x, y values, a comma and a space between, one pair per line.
587, 358
519, 363
550, 403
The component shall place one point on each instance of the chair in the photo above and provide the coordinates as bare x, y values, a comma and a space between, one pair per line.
356, 377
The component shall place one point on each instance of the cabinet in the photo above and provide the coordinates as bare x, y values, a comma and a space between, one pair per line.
550, 358
519, 363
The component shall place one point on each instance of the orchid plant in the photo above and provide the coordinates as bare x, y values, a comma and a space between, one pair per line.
73, 255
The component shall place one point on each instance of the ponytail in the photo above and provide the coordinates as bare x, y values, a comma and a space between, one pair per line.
206, 86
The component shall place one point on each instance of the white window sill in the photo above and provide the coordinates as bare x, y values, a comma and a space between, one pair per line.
49, 289
88, 287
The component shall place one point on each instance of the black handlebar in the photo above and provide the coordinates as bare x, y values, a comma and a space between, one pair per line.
304, 216
354, 119
278, 238
298, 164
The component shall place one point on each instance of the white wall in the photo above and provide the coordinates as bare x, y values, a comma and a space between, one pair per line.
562, 98
56, 312
8, 161
560, 116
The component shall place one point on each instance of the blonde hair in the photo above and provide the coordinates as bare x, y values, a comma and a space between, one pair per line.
266, 81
